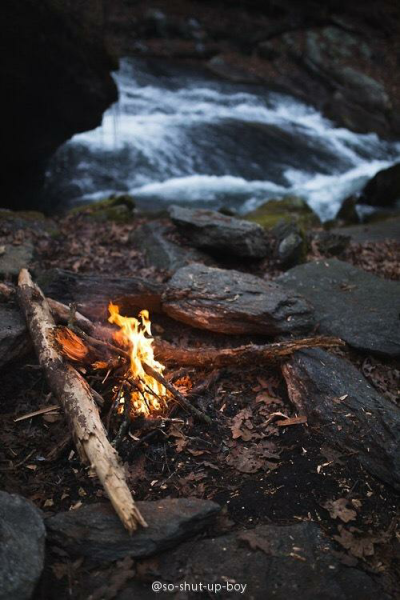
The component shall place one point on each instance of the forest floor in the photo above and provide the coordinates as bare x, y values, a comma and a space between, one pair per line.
258, 471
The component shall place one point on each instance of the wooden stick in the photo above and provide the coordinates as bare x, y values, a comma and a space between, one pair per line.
198, 414
75, 397
240, 356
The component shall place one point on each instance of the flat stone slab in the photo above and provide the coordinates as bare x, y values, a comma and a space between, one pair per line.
95, 530
22, 544
14, 258
220, 234
161, 252
348, 411
349, 303
372, 232
14, 338
228, 301
268, 562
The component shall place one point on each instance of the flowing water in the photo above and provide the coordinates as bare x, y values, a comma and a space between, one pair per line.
178, 135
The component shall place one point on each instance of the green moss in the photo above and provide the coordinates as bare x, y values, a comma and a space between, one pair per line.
288, 209
117, 208
24, 215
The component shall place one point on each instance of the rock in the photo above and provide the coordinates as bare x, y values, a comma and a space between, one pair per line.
96, 532
349, 303
118, 208
92, 293
14, 339
223, 66
338, 400
54, 85
220, 234
383, 189
348, 212
290, 208
14, 258
161, 252
22, 545
270, 561
235, 303
330, 243
372, 232
291, 247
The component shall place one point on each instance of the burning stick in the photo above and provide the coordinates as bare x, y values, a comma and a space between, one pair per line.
75, 396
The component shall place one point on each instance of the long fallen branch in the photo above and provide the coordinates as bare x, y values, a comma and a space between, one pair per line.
240, 356
76, 398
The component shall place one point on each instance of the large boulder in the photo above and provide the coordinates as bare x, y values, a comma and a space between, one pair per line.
277, 562
228, 301
55, 82
161, 250
383, 189
349, 303
96, 532
348, 411
22, 546
220, 234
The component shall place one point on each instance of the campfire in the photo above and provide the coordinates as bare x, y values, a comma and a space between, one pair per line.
148, 397
111, 381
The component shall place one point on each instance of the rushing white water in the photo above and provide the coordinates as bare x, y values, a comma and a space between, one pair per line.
177, 135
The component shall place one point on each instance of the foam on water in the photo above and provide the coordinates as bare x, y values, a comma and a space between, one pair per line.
179, 136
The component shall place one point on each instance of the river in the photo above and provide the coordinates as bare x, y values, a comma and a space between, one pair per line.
179, 135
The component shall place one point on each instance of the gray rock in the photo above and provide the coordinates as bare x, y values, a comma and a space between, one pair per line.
349, 303
161, 252
15, 258
272, 561
22, 542
350, 412
14, 339
291, 246
95, 530
234, 302
383, 189
372, 232
330, 243
220, 234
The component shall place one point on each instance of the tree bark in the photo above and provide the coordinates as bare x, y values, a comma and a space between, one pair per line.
76, 399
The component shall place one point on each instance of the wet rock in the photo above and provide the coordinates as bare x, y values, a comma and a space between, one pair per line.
349, 303
235, 303
339, 401
288, 209
161, 251
14, 339
271, 561
383, 189
220, 234
95, 530
14, 258
22, 542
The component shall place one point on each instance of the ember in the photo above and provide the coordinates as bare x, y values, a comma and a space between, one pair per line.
148, 396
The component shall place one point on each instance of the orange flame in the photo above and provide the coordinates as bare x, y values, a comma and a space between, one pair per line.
136, 335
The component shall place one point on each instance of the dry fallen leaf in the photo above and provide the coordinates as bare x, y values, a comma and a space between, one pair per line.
255, 541
339, 509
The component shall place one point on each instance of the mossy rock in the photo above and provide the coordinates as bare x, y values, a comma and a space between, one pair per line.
117, 208
289, 209
23, 215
